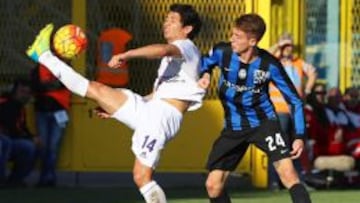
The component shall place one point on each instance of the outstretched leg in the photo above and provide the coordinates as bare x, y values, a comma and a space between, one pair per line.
149, 189
108, 99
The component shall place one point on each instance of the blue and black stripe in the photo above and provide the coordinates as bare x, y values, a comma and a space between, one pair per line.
243, 88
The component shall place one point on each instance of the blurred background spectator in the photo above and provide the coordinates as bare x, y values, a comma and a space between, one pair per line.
16, 142
52, 100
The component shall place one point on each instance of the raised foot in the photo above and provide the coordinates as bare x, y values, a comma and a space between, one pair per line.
41, 43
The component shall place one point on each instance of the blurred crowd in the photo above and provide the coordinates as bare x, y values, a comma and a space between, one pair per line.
332, 117
333, 122
22, 150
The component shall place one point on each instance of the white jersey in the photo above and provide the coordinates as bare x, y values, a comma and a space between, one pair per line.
177, 76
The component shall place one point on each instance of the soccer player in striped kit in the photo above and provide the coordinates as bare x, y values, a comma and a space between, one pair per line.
250, 117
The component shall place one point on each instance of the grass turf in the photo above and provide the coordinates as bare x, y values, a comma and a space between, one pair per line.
188, 195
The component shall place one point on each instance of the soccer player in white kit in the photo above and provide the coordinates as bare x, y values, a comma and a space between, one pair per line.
155, 118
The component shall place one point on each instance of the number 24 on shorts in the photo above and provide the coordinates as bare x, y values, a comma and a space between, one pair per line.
148, 143
272, 144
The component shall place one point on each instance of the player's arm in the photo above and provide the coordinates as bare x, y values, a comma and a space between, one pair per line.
212, 59
208, 62
280, 78
150, 52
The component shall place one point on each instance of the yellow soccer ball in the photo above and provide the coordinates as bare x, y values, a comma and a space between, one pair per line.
69, 41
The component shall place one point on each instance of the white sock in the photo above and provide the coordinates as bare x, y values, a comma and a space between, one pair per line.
153, 193
75, 82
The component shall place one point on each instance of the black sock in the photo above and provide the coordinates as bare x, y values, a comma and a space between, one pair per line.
223, 198
299, 194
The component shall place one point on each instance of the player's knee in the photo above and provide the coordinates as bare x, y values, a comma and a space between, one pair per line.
138, 179
288, 177
213, 187
141, 179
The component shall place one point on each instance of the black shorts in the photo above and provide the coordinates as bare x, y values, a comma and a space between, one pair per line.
230, 147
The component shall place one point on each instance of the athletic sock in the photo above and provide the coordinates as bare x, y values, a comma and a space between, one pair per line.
153, 193
75, 82
299, 194
223, 198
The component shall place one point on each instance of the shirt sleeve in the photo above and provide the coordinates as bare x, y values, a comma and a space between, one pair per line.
287, 89
209, 61
187, 49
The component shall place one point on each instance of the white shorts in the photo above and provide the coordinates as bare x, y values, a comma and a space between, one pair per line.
155, 122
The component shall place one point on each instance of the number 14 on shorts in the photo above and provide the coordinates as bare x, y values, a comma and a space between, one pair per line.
148, 143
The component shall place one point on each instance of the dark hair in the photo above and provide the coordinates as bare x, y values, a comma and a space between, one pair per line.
188, 17
251, 24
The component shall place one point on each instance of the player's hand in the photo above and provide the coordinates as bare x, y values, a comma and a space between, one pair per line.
101, 113
298, 147
204, 82
117, 60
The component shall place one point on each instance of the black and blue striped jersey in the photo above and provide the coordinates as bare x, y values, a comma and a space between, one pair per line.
243, 88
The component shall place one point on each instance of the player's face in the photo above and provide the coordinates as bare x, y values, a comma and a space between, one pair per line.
173, 28
241, 42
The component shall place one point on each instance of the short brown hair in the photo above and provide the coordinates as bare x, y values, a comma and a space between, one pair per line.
251, 24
